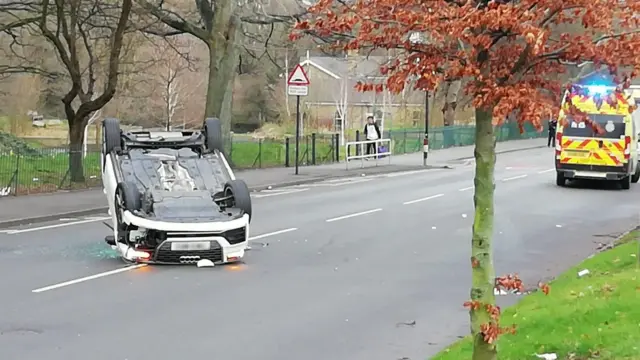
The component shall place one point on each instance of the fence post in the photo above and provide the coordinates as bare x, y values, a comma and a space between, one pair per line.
404, 142
337, 147
259, 153
306, 150
313, 148
286, 152
16, 174
357, 147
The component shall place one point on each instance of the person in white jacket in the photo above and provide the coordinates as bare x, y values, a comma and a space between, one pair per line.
371, 132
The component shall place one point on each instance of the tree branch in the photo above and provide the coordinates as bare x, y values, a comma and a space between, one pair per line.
114, 61
174, 20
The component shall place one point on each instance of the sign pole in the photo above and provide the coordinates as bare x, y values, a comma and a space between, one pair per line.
297, 131
298, 85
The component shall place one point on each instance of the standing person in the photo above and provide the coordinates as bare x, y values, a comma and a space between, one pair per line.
553, 124
371, 132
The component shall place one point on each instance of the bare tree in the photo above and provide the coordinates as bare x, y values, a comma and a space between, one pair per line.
87, 37
173, 61
218, 24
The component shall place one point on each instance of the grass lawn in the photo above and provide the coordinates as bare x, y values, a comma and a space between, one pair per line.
596, 316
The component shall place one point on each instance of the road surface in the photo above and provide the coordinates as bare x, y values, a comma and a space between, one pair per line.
335, 269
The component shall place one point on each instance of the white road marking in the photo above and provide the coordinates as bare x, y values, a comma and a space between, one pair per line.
272, 233
412, 172
95, 218
19, 231
545, 171
258, 195
87, 278
350, 182
353, 215
423, 199
515, 177
340, 183
467, 188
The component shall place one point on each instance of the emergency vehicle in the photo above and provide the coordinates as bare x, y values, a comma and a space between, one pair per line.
582, 152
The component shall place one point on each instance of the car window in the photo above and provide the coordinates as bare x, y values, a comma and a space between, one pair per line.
613, 126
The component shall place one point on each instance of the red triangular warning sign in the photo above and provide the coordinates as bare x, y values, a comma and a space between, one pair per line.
298, 77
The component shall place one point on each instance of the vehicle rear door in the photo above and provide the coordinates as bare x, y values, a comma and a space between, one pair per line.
582, 145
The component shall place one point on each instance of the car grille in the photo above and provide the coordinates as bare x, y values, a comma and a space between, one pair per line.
235, 236
165, 255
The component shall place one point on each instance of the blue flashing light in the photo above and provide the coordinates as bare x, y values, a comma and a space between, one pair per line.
600, 89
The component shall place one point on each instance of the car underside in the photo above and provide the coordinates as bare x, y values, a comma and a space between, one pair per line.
173, 200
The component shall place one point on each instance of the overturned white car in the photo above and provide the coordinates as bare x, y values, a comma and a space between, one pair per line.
172, 196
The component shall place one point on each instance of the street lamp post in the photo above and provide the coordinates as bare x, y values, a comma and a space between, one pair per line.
419, 38
425, 143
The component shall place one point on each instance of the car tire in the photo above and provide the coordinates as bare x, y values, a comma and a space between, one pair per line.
240, 196
625, 183
636, 176
130, 196
560, 179
111, 135
213, 134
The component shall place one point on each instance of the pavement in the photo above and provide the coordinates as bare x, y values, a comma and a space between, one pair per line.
21, 210
337, 270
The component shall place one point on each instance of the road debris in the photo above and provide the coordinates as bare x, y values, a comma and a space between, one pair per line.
551, 356
584, 272
408, 323
204, 263
603, 247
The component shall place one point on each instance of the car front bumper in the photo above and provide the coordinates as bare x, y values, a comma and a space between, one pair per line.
220, 248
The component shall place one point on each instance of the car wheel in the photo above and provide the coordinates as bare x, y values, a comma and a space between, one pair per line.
213, 134
128, 197
239, 196
636, 175
111, 135
625, 183
560, 179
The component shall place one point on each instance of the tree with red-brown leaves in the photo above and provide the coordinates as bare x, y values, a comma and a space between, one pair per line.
511, 56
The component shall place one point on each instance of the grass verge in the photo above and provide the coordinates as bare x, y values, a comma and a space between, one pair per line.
596, 316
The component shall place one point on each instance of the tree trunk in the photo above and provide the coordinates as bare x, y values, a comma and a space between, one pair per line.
76, 140
451, 92
223, 60
483, 273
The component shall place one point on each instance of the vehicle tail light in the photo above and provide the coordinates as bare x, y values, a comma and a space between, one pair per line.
627, 147
558, 143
